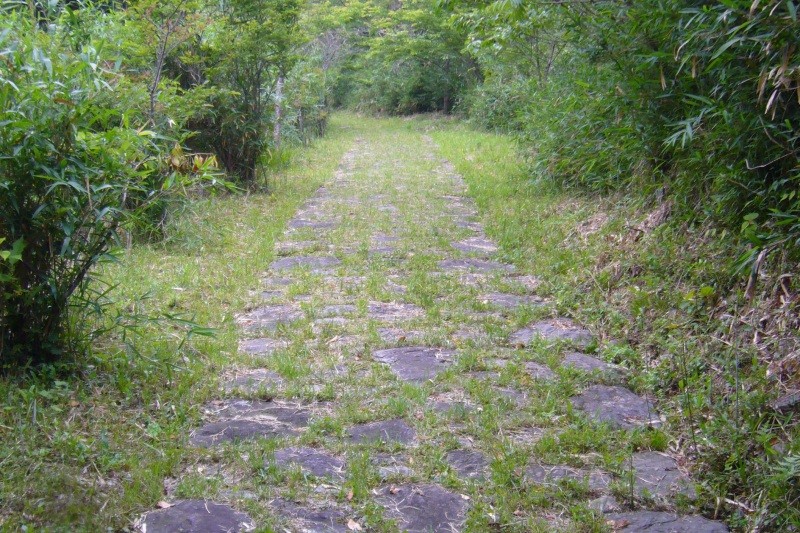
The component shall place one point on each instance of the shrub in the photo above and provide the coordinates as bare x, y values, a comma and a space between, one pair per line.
72, 172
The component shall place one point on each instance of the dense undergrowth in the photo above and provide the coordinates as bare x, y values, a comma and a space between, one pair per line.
114, 116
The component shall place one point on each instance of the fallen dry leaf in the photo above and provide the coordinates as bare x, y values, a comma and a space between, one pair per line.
393, 490
350, 496
352, 525
163, 505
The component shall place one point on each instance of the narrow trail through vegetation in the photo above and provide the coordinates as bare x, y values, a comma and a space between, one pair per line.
394, 373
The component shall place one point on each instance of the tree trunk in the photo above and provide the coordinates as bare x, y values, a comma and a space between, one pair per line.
276, 131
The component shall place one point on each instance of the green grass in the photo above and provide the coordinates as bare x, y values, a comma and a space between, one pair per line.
667, 304
93, 451
99, 449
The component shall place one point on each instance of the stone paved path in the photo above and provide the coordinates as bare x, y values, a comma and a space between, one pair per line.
395, 373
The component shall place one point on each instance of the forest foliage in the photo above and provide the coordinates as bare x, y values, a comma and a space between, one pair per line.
115, 112
112, 114
698, 102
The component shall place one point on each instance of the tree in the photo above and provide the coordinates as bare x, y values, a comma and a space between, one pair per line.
246, 56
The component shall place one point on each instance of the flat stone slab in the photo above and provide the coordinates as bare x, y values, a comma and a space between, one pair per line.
293, 247
480, 265
341, 342
483, 375
300, 223
391, 466
525, 436
396, 288
415, 363
309, 518
313, 461
539, 371
388, 209
423, 508
244, 419
657, 476
380, 251
315, 263
553, 474
253, 380
273, 281
383, 431
261, 346
269, 317
394, 335
196, 516
335, 322
470, 464
465, 335
589, 364
476, 245
445, 407
527, 282
555, 329
271, 295
509, 301
456, 200
518, 398
616, 406
338, 310
656, 522
393, 311
221, 431
605, 504
465, 223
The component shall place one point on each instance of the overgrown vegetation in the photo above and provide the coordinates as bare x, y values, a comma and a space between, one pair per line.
92, 450
664, 298
112, 117
688, 112
698, 103
673, 124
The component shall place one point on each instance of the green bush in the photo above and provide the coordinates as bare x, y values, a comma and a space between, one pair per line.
248, 49
72, 173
